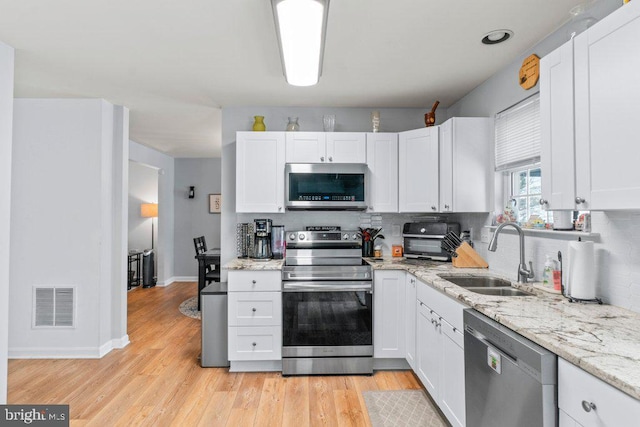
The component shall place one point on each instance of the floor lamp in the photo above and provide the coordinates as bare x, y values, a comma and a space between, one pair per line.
149, 210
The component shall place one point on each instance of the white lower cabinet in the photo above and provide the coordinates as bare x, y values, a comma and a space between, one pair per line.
586, 401
255, 316
389, 314
440, 351
410, 320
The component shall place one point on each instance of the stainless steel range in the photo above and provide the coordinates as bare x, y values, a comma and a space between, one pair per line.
327, 304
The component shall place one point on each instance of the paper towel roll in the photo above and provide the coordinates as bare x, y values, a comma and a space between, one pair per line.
582, 270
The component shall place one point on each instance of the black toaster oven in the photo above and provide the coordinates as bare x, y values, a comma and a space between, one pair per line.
424, 239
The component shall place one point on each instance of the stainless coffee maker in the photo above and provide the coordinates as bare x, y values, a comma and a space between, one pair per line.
262, 239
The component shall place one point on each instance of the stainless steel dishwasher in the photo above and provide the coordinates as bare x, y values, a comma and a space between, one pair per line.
509, 380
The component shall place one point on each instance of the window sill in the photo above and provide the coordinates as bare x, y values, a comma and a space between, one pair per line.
545, 232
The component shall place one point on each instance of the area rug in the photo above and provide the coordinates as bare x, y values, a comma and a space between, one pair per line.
401, 408
189, 308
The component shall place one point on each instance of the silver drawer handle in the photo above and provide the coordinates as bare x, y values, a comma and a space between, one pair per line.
253, 281
254, 309
254, 344
588, 406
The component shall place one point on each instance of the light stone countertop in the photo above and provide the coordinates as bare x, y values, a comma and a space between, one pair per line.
254, 264
604, 340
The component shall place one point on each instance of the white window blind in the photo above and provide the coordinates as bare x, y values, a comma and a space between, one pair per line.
517, 131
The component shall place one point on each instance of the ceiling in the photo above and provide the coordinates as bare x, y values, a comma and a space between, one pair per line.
176, 64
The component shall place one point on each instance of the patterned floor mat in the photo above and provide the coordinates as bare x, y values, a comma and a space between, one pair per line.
401, 408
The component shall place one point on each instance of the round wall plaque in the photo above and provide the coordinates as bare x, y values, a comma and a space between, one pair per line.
530, 71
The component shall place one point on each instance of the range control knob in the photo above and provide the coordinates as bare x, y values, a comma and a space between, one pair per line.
301, 236
346, 236
292, 236
354, 236
422, 230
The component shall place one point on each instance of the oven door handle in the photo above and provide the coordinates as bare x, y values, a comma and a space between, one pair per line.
327, 287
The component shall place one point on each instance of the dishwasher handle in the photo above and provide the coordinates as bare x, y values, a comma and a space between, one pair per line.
477, 335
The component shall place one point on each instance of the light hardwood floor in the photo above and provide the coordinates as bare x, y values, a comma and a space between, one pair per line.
157, 380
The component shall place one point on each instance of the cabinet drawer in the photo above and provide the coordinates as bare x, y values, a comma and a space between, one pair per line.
452, 332
255, 309
612, 406
245, 281
444, 305
255, 343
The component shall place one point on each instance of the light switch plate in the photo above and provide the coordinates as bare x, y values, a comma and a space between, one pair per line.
485, 235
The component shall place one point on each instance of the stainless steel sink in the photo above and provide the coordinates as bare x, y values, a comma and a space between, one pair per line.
486, 285
477, 281
502, 292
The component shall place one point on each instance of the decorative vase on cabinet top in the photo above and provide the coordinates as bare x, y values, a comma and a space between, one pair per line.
293, 125
258, 124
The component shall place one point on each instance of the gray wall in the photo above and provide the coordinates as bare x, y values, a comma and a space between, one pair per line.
6, 129
143, 188
165, 221
192, 215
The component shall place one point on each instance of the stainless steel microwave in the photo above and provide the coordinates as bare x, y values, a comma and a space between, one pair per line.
335, 186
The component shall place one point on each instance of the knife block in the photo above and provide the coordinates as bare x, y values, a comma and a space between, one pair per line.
468, 257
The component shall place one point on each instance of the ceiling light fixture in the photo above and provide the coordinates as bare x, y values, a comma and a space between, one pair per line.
497, 36
301, 27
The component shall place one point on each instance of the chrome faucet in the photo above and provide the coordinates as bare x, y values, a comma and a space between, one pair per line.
523, 272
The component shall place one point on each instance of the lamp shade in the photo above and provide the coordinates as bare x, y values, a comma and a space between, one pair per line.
149, 210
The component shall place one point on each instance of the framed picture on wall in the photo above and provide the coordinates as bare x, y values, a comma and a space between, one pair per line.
215, 203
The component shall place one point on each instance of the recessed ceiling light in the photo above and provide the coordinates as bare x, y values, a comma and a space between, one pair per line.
497, 36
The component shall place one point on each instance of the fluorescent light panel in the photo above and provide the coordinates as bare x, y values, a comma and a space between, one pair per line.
301, 27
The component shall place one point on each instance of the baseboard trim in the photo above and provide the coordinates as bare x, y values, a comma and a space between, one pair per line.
69, 352
185, 278
255, 366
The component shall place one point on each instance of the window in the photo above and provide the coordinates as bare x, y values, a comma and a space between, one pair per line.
526, 191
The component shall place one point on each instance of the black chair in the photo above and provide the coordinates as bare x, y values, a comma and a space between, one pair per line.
211, 274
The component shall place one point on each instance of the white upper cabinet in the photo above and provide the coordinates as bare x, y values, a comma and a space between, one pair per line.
607, 94
418, 173
260, 172
320, 147
466, 173
382, 159
346, 147
556, 128
306, 147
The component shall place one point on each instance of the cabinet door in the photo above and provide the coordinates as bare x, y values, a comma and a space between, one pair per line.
452, 395
260, 172
466, 175
388, 314
429, 351
418, 170
607, 97
346, 147
446, 166
410, 321
306, 147
382, 159
556, 127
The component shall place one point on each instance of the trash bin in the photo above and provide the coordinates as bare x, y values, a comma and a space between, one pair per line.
214, 326
148, 268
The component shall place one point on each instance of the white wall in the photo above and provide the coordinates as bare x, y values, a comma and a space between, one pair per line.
67, 202
6, 126
310, 119
143, 188
165, 221
192, 215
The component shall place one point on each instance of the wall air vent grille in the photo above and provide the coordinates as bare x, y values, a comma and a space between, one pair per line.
53, 307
